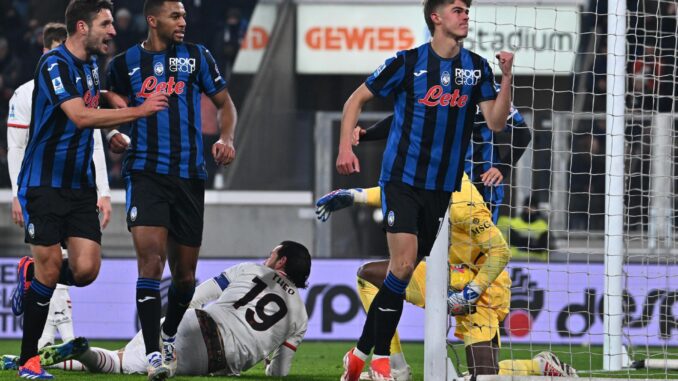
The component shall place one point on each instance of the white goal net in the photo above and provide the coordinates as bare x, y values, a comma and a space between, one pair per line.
589, 210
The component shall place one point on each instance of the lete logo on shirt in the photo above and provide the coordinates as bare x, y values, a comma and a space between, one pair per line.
436, 96
151, 86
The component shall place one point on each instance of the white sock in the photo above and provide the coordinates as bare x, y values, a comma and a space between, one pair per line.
398, 361
68, 365
359, 354
99, 360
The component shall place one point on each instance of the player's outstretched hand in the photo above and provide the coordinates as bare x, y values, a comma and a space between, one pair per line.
154, 103
223, 152
463, 302
17, 215
505, 62
347, 162
104, 206
492, 177
333, 201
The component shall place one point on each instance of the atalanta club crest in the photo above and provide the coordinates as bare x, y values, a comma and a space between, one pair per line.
159, 68
31, 230
445, 78
133, 214
390, 219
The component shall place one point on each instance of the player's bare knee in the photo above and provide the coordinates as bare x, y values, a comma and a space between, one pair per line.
403, 269
184, 282
151, 265
84, 276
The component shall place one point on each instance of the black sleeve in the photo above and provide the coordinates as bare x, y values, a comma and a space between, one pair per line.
511, 144
378, 131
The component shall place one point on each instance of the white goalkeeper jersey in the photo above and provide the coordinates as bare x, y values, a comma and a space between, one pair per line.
258, 312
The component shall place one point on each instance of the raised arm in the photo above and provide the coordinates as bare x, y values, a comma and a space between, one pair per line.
496, 111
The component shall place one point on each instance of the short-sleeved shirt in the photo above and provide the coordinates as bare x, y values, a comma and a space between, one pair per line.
58, 154
259, 311
434, 107
170, 141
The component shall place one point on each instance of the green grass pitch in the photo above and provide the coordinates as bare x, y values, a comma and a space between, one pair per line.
322, 361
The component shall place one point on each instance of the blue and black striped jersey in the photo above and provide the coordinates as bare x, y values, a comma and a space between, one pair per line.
58, 154
169, 142
435, 104
483, 154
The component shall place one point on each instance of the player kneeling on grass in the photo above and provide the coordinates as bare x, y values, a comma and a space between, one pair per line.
257, 311
479, 295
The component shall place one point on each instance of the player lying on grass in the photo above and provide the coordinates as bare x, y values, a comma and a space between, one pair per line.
478, 255
257, 311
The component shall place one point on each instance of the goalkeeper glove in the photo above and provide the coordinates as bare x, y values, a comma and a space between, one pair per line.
336, 200
463, 302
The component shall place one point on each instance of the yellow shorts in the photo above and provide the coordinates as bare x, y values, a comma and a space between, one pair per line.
491, 309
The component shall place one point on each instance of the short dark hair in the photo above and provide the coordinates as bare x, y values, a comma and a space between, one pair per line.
298, 265
84, 10
430, 6
53, 32
151, 6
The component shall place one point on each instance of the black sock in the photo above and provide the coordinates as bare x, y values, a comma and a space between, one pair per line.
36, 308
177, 304
148, 308
366, 340
66, 274
389, 301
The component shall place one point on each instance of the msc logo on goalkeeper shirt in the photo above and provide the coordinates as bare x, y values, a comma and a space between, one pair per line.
466, 76
480, 226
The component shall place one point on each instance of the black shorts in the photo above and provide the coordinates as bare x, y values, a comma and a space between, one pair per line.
51, 215
161, 200
412, 210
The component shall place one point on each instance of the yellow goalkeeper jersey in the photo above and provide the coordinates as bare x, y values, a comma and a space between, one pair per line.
474, 239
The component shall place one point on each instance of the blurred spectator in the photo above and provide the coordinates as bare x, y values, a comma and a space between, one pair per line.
228, 40
30, 51
127, 34
42, 11
528, 232
587, 180
645, 73
10, 69
12, 26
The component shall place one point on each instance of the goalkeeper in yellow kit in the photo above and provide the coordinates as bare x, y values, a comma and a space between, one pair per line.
477, 255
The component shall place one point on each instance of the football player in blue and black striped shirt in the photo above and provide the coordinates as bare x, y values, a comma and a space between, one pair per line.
56, 186
164, 167
436, 88
491, 156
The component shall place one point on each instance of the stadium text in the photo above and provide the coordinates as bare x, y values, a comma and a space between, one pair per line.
328, 295
359, 38
664, 299
255, 39
8, 322
523, 39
